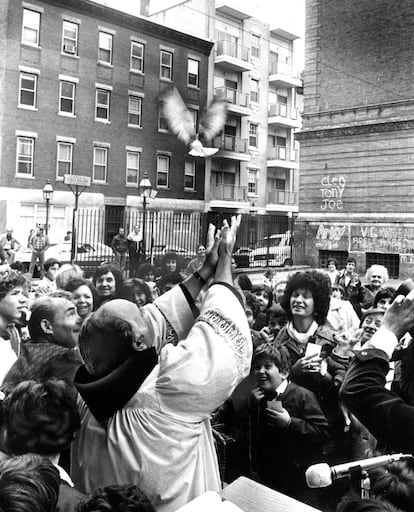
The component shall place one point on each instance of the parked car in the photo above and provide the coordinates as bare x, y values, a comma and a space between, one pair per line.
89, 255
241, 257
274, 251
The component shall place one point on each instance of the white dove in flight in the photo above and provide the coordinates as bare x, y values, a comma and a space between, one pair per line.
181, 122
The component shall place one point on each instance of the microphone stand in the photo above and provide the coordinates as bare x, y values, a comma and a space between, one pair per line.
360, 482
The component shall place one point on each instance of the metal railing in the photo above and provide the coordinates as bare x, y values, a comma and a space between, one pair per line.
231, 143
282, 197
233, 96
278, 67
228, 192
232, 50
282, 110
282, 153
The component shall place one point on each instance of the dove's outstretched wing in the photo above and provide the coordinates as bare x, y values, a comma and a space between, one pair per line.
180, 121
213, 120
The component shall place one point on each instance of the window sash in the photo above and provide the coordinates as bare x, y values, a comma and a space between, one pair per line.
132, 167
24, 156
135, 110
100, 159
31, 27
105, 47
254, 90
166, 59
67, 97
189, 175
28, 86
252, 182
64, 159
193, 72
163, 167
255, 47
70, 37
137, 56
102, 104
253, 130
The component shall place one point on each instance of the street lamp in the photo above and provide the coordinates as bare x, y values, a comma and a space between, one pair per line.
47, 196
146, 192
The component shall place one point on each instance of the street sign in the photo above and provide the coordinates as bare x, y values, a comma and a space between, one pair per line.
77, 180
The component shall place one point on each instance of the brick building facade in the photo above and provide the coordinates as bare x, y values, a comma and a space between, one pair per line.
79, 89
357, 149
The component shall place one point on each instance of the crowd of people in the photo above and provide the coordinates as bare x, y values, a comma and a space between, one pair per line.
142, 393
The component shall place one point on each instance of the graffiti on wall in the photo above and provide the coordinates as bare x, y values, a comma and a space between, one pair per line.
331, 237
382, 239
331, 192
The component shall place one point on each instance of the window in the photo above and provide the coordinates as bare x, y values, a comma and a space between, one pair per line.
24, 158
27, 90
253, 129
105, 47
162, 121
135, 111
102, 104
100, 158
192, 73
252, 183
31, 27
70, 38
67, 97
132, 168
163, 168
166, 61
64, 159
255, 48
189, 174
137, 56
254, 90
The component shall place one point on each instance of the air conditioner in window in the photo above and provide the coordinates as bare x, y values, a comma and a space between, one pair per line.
69, 48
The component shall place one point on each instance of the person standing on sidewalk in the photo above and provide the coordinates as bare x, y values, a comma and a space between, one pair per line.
10, 245
39, 243
120, 246
135, 250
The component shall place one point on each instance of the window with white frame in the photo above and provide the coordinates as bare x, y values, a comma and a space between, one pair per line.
100, 164
102, 104
64, 159
24, 156
67, 97
252, 181
70, 38
254, 90
166, 63
105, 47
137, 56
255, 47
31, 27
132, 167
189, 174
194, 115
27, 89
135, 111
253, 131
163, 169
193, 72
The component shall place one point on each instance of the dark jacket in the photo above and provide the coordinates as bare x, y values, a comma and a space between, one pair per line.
119, 243
68, 498
353, 290
282, 455
384, 413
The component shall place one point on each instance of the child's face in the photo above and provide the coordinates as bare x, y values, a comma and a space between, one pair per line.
263, 299
384, 303
350, 267
331, 266
250, 317
336, 294
268, 375
171, 265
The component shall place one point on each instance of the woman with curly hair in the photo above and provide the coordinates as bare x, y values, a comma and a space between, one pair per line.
107, 280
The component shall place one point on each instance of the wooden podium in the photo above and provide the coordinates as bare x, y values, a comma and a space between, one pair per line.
251, 496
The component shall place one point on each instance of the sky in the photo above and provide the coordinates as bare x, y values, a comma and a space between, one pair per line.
286, 14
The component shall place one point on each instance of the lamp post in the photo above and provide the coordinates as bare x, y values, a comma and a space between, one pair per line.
47, 196
146, 192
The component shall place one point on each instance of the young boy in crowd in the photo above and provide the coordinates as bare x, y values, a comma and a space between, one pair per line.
288, 427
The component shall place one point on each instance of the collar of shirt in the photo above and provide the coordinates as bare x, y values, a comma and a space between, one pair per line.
64, 476
282, 387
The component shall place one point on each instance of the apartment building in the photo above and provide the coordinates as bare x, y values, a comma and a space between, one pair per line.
357, 149
79, 95
256, 169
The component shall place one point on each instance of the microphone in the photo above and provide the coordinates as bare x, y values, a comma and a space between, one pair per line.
322, 475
